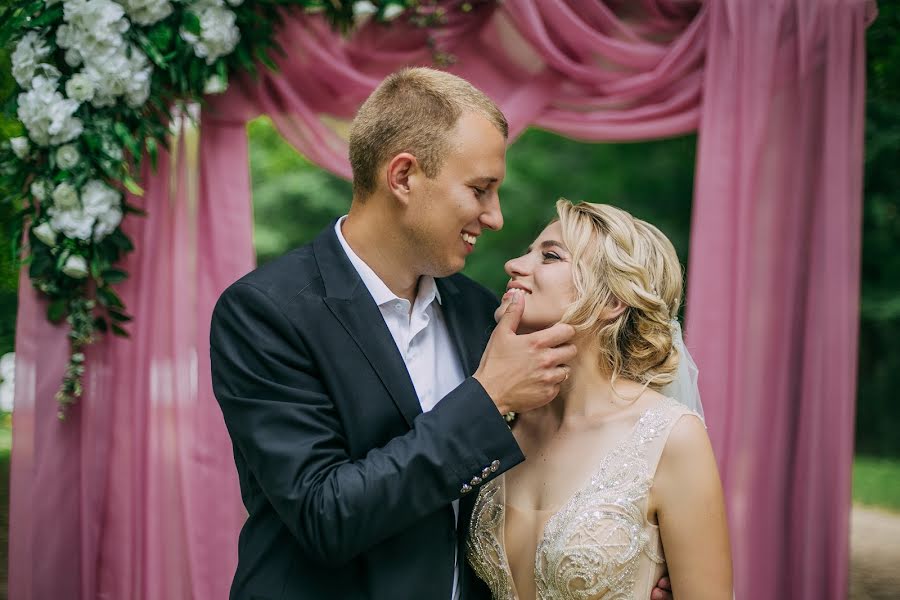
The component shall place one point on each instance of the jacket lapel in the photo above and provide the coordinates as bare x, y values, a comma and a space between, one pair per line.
350, 302
469, 342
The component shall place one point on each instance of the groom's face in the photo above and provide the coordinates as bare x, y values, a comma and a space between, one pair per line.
449, 212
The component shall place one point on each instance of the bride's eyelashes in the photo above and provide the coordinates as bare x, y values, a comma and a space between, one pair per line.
551, 256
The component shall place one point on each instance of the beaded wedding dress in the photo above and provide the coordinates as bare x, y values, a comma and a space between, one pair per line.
594, 540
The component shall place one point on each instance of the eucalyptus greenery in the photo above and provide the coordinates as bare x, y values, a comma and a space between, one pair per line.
98, 82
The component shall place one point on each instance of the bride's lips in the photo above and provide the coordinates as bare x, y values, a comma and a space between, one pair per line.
514, 285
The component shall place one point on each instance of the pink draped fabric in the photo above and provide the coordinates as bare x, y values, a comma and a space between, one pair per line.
134, 496
774, 283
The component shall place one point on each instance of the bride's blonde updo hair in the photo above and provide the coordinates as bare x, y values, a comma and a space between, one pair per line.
618, 257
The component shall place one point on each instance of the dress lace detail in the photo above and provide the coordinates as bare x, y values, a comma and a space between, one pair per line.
484, 544
593, 547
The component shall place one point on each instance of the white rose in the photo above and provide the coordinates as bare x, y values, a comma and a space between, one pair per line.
147, 12
20, 146
47, 115
111, 148
67, 156
75, 267
218, 32
363, 10
392, 11
215, 85
29, 53
137, 86
92, 31
45, 233
73, 223
80, 88
107, 223
126, 72
39, 189
65, 196
98, 198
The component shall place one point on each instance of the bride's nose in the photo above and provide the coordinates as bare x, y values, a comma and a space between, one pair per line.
516, 267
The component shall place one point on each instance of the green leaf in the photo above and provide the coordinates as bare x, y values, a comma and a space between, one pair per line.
154, 54
119, 316
129, 209
41, 265
120, 240
119, 331
265, 59
191, 22
128, 140
132, 186
107, 297
114, 275
49, 16
152, 150
57, 310
101, 325
161, 35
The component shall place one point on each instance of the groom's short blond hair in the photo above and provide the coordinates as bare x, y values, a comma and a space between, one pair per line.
413, 110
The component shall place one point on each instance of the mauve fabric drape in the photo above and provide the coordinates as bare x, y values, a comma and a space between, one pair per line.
134, 495
772, 308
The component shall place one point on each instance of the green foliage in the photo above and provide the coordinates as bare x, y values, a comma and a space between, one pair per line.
9, 273
878, 413
292, 198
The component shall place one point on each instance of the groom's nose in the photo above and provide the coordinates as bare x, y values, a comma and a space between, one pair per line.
492, 218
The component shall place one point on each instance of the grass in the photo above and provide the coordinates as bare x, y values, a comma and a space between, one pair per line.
876, 482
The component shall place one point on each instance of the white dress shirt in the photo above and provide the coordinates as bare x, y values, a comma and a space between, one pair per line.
423, 340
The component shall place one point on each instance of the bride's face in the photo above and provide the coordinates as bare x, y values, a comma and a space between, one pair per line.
545, 273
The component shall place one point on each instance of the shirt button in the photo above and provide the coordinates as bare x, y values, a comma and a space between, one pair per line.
495, 465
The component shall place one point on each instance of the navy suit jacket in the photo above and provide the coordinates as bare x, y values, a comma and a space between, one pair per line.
348, 485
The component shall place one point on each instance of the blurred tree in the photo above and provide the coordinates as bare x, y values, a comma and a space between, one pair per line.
9, 127
292, 198
878, 412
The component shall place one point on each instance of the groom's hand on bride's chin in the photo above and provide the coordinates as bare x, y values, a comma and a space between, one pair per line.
522, 372
663, 590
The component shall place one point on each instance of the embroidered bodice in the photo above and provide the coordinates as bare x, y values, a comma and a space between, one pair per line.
599, 544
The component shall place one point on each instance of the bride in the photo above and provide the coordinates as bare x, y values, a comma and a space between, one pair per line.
620, 485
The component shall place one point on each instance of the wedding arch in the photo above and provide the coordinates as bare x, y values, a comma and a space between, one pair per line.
134, 495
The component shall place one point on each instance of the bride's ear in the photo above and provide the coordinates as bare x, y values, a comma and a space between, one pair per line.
615, 308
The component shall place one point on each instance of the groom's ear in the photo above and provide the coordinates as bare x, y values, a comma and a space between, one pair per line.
399, 172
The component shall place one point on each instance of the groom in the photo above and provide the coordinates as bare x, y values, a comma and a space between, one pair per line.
359, 378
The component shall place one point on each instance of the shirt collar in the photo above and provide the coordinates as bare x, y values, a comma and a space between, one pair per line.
380, 292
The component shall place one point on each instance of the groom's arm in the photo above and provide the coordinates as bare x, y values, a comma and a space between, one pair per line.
287, 429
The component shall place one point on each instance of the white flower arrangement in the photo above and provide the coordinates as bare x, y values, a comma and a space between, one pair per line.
97, 82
